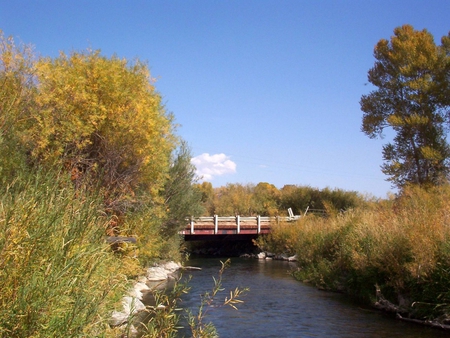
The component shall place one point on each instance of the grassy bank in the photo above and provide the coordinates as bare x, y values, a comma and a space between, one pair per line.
400, 246
57, 274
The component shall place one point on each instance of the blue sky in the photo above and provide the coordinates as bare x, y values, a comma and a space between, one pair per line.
263, 90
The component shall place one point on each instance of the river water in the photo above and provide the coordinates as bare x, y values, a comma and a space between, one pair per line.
279, 306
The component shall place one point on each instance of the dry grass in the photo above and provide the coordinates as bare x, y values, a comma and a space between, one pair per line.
57, 275
400, 245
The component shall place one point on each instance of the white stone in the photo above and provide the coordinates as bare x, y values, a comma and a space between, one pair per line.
118, 318
157, 273
292, 258
262, 255
138, 289
132, 303
171, 266
162, 272
130, 306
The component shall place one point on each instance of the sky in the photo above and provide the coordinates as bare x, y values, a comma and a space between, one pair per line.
261, 90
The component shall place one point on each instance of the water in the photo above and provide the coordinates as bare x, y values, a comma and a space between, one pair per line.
279, 306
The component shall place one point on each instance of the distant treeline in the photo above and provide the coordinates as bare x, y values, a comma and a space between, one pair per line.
267, 200
393, 254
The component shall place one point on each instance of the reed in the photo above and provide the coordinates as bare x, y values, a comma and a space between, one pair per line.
400, 245
57, 276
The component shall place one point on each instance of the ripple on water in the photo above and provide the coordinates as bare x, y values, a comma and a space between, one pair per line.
278, 306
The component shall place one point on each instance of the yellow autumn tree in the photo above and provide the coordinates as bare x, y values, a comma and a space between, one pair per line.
102, 120
16, 93
266, 198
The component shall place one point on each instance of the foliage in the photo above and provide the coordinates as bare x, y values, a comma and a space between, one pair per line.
16, 92
101, 119
207, 197
181, 197
266, 200
98, 130
57, 275
412, 99
165, 314
400, 245
234, 199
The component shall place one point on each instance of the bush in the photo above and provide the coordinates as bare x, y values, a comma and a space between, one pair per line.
400, 245
57, 275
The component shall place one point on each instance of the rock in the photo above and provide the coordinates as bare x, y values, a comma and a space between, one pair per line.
157, 273
138, 289
130, 306
262, 255
171, 266
132, 303
292, 258
118, 318
162, 272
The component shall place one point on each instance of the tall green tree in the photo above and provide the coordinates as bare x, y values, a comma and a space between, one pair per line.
207, 191
182, 197
411, 76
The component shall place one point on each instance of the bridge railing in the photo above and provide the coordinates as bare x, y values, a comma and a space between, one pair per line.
238, 223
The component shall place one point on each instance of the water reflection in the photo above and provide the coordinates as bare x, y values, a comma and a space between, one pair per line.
278, 306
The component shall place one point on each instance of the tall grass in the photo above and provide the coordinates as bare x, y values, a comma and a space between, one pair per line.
57, 276
401, 246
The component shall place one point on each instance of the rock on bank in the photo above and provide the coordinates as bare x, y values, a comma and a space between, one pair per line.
156, 277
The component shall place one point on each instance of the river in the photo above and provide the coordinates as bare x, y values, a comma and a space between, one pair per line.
279, 306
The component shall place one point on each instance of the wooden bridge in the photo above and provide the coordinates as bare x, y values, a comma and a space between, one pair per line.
206, 227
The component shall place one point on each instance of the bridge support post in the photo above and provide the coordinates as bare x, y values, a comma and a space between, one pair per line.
216, 224
258, 222
192, 225
238, 223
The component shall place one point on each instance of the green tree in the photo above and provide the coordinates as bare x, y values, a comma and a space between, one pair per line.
411, 76
234, 199
181, 196
207, 199
266, 198
297, 198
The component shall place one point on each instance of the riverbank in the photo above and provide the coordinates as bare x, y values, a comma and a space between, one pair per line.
394, 255
143, 296
277, 305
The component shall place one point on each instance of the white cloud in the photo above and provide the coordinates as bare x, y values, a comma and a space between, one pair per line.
210, 166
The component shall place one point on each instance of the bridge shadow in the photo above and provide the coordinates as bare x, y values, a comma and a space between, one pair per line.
221, 245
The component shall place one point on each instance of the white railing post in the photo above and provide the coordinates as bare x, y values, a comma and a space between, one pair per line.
216, 224
192, 225
258, 222
238, 222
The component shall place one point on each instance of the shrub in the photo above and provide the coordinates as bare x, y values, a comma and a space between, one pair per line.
400, 245
57, 275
